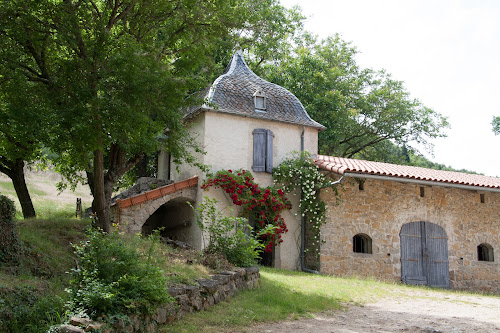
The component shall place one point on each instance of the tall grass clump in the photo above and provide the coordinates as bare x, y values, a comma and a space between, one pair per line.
115, 277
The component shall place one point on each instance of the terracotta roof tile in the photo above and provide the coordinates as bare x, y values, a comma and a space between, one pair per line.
342, 165
156, 193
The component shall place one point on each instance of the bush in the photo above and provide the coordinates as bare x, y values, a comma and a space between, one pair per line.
9, 241
23, 309
229, 236
114, 277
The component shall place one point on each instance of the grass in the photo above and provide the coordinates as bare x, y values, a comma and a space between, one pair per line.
47, 200
32, 290
282, 295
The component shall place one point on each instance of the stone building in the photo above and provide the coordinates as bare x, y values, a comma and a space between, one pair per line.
411, 224
246, 123
395, 223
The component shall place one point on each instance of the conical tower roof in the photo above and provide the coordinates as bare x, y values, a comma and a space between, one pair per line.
233, 92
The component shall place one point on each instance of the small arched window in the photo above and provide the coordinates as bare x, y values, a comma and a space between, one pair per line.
362, 243
485, 252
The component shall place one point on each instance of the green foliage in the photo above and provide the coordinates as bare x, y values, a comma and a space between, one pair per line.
32, 293
361, 108
113, 277
23, 310
227, 235
114, 76
9, 241
299, 172
496, 125
262, 205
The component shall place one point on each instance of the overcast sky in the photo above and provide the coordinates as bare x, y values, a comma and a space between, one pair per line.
446, 51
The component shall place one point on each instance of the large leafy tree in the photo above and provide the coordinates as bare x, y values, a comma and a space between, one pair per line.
117, 72
363, 109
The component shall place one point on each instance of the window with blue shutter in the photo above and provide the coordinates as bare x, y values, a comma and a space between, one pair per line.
262, 150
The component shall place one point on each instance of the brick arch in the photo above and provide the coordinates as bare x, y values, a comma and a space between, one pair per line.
133, 212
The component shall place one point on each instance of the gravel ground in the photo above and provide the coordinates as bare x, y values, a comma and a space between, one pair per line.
414, 311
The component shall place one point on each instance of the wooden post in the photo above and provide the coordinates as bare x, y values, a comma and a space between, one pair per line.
78, 207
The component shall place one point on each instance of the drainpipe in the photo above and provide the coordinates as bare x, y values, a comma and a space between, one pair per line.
303, 222
303, 219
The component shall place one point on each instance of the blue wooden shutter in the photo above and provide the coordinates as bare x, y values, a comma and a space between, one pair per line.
259, 150
269, 151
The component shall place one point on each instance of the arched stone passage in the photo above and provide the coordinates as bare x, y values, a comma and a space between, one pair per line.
133, 213
176, 219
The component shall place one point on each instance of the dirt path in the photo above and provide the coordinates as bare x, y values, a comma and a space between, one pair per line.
415, 311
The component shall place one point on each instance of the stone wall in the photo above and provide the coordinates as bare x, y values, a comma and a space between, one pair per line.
187, 299
383, 207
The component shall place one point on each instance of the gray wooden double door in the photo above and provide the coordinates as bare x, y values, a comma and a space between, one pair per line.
424, 255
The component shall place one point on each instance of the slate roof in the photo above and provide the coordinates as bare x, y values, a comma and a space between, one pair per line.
233, 92
342, 166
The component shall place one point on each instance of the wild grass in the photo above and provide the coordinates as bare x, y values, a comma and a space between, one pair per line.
47, 200
282, 295
32, 289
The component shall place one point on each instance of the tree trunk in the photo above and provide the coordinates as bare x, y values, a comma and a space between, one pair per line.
102, 183
99, 204
22, 192
141, 168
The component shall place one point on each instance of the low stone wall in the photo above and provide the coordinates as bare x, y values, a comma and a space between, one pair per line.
187, 299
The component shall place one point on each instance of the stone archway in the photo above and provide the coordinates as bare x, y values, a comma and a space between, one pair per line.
175, 218
133, 213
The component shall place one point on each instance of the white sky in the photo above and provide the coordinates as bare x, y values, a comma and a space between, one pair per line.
446, 51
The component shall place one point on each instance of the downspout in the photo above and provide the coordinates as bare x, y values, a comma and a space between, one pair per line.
303, 221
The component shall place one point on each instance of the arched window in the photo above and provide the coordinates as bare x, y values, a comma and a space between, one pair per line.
362, 243
485, 252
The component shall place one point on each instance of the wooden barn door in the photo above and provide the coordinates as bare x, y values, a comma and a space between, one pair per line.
424, 255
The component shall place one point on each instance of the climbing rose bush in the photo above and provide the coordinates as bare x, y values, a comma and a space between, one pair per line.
264, 205
299, 172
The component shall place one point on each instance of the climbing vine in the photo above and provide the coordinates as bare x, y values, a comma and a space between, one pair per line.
300, 172
264, 205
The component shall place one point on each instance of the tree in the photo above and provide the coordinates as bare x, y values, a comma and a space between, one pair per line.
361, 108
22, 127
117, 73
496, 125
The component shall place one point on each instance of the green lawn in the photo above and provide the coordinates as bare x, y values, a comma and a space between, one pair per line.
282, 295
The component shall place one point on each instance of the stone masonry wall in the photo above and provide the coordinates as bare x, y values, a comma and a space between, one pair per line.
187, 299
383, 207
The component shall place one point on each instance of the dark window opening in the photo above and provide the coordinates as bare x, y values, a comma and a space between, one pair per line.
362, 243
422, 191
361, 186
481, 197
485, 252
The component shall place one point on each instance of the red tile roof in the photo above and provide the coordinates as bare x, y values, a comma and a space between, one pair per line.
342, 166
157, 193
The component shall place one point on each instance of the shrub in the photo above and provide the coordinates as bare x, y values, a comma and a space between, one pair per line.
23, 309
265, 205
9, 241
114, 277
227, 235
